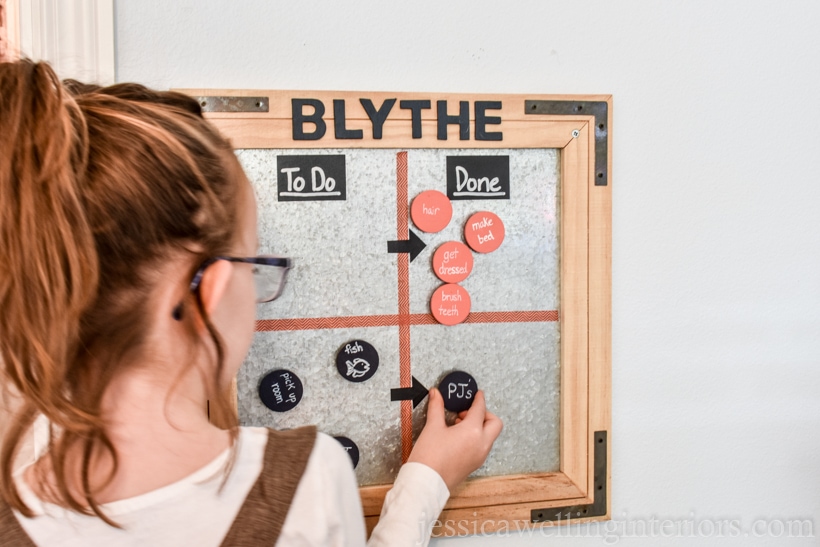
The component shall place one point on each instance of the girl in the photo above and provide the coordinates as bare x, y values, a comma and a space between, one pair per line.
128, 284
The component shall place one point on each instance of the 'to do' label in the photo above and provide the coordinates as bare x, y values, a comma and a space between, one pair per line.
311, 178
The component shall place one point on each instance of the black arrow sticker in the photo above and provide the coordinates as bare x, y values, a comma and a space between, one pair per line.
414, 245
416, 393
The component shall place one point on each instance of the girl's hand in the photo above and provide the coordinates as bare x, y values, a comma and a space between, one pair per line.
456, 451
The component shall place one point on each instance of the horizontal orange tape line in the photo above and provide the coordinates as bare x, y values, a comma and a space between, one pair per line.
354, 321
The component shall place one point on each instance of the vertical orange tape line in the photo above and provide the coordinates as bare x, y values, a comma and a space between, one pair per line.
405, 376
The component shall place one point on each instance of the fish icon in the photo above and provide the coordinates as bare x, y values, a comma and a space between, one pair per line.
357, 368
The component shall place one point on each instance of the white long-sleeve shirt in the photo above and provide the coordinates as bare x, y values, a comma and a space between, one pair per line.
326, 508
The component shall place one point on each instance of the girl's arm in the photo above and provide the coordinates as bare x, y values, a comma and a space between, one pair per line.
441, 459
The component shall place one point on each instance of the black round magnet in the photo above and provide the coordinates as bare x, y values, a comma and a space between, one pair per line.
280, 390
351, 449
458, 390
357, 361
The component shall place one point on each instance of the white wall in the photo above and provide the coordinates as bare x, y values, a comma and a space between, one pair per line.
716, 289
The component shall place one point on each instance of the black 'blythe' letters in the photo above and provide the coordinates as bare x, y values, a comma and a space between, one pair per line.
378, 116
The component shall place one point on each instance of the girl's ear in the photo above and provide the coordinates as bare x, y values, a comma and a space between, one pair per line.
214, 282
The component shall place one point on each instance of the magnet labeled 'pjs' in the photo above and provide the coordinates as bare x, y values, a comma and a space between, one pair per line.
458, 390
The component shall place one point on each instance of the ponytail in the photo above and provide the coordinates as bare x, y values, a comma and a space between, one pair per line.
98, 186
48, 270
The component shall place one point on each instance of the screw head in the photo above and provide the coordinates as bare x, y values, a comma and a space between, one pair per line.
575, 133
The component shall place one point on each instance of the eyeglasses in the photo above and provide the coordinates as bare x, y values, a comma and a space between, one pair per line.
269, 281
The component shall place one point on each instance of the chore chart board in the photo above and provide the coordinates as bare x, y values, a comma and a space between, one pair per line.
457, 242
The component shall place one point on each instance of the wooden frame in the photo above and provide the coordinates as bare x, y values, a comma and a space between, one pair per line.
492, 503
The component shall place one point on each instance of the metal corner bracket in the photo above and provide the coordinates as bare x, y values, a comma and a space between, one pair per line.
598, 109
223, 103
575, 512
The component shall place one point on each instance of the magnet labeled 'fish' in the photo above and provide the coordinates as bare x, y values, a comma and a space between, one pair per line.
357, 361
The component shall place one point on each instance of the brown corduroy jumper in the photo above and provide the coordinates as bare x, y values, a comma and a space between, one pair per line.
263, 513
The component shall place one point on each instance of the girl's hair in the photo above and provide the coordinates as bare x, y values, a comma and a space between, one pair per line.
97, 187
